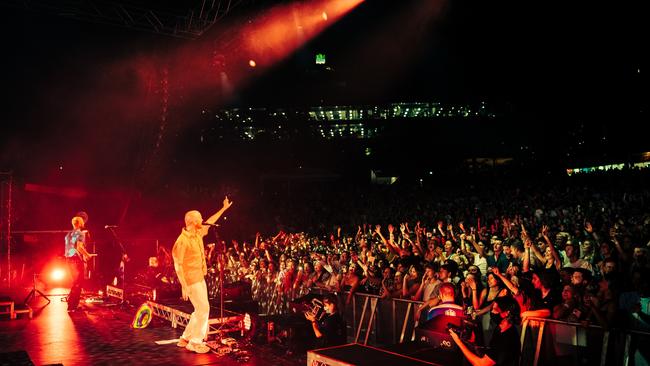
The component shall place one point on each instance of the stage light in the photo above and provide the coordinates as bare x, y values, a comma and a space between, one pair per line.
57, 274
324, 15
247, 322
252, 63
248, 326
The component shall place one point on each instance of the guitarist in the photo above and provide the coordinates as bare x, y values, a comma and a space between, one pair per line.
76, 255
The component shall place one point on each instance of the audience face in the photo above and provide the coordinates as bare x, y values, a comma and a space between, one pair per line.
639, 254
577, 279
344, 257
507, 250
536, 282
567, 293
605, 251
609, 267
570, 251
329, 307
443, 274
497, 310
548, 254
398, 281
590, 299
363, 243
473, 270
448, 247
512, 270
491, 280
290, 265
587, 247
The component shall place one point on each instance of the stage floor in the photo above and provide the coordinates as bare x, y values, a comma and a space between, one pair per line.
102, 335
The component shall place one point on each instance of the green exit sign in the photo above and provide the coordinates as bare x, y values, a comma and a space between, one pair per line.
320, 59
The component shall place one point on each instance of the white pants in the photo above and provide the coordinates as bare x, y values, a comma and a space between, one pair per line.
197, 328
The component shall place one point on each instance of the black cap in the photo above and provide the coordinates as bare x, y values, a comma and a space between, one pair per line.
450, 266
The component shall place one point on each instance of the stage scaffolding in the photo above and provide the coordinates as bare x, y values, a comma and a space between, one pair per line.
6, 192
184, 19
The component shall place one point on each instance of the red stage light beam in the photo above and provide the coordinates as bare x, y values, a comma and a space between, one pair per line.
283, 29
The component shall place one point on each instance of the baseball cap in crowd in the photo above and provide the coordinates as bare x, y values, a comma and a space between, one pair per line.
450, 266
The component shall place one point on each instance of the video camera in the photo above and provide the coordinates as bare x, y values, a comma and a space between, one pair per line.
435, 332
464, 330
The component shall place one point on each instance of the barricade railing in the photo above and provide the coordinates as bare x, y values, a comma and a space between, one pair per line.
584, 343
395, 318
542, 340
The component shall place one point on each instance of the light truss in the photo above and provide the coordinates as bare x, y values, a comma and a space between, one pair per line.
232, 322
149, 16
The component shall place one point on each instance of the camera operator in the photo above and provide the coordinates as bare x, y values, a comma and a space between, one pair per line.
504, 345
330, 330
447, 306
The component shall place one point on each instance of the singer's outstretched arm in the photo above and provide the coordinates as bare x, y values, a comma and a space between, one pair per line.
213, 219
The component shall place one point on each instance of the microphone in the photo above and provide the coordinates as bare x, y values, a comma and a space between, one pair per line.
110, 226
209, 224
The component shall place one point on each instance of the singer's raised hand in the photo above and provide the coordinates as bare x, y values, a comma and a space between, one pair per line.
227, 203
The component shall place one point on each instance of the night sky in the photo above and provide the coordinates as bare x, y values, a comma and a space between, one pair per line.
74, 87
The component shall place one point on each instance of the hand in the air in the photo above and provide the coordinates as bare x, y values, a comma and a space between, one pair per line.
227, 203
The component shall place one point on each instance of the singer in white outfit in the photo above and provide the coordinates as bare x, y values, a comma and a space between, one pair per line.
190, 266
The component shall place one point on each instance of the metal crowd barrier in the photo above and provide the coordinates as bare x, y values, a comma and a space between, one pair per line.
584, 344
375, 321
395, 318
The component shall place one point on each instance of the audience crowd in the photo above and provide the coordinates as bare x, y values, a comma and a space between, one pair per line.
576, 253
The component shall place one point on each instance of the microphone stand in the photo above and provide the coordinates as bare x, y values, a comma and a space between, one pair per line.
123, 257
220, 262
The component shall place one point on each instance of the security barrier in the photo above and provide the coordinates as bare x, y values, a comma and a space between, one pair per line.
375, 321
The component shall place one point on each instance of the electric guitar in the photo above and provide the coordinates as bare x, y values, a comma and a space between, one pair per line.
84, 257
